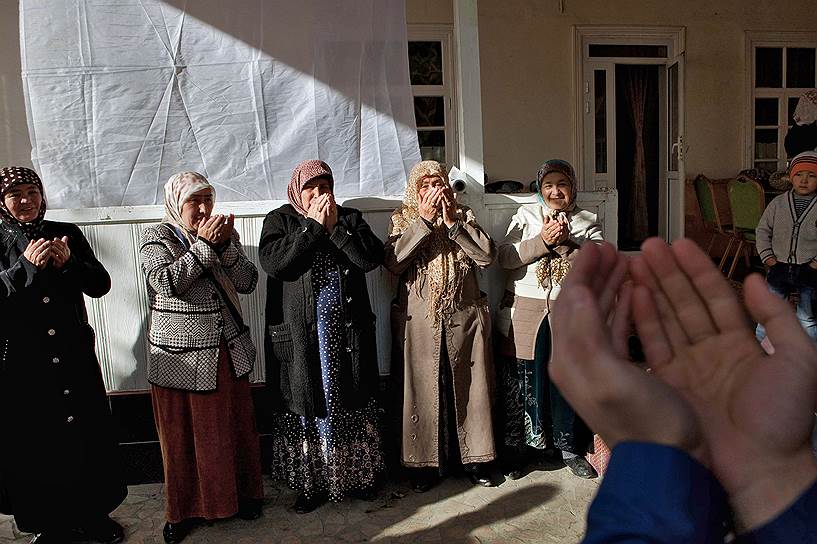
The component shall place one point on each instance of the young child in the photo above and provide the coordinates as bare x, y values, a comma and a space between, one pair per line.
787, 241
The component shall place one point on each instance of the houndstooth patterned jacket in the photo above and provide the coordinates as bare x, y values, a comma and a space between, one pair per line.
189, 318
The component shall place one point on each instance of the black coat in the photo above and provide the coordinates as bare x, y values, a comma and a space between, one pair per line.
58, 462
286, 251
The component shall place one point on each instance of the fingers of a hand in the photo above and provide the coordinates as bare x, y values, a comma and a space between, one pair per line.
612, 283
643, 275
657, 347
620, 324
720, 299
584, 267
689, 307
581, 348
781, 324
608, 258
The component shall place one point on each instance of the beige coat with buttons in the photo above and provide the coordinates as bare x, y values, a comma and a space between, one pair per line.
417, 351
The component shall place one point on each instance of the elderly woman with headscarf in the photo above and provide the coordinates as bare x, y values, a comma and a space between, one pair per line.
540, 244
322, 371
441, 331
200, 356
59, 475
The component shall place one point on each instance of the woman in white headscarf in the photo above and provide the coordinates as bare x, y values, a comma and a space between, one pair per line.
200, 356
540, 244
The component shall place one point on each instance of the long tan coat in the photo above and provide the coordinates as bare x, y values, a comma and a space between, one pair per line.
417, 348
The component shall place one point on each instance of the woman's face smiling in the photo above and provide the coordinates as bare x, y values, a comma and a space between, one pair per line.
23, 201
556, 190
197, 208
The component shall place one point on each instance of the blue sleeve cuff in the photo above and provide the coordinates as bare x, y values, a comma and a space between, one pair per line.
653, 493
798, 523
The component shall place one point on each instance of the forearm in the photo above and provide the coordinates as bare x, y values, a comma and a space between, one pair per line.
401, 248
474, 242
288, 255
656, 494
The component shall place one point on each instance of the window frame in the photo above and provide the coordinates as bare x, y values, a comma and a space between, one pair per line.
444, 34
784, 40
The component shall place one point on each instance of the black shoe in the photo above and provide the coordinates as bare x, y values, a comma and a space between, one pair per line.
479, 475
513, 473
176, 532
103, 530
581, 467
304, 504
250, 509
421, 483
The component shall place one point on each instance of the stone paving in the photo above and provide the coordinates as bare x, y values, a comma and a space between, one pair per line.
548, 505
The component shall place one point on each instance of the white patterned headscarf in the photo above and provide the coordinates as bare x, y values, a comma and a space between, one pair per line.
178, 190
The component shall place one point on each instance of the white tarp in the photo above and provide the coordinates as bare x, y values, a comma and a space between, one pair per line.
120, 94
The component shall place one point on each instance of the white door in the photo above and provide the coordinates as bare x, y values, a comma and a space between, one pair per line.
671, 226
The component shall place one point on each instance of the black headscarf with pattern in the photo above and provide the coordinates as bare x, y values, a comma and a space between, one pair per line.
17, 175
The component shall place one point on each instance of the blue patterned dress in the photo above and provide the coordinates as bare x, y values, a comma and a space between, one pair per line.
342, 452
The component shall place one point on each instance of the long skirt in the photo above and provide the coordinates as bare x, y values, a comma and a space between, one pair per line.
210, 447
342, 452
536, 413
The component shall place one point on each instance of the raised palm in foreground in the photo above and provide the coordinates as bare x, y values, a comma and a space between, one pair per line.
713, 392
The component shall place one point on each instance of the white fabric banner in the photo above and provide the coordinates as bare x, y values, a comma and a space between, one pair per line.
121, 95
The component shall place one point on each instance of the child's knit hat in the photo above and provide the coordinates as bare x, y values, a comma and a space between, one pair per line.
807, 160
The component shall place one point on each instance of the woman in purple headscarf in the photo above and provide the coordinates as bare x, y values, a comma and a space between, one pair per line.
321, 355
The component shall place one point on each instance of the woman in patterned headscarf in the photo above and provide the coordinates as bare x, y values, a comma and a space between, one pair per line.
59, 474
441, 330
201, 355
322, 371
540, 244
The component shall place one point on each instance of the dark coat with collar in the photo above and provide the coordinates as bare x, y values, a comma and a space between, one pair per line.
58, 462
288, 245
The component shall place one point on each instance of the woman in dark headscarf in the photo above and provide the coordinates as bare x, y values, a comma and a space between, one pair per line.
201, 355
59, 475
540, 245
322, 370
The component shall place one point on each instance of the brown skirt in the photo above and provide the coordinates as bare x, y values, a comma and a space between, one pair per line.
210, 447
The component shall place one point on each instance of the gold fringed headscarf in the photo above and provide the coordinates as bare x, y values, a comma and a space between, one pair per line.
440, 261
552, 266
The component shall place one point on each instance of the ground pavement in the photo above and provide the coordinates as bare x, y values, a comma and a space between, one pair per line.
548, 505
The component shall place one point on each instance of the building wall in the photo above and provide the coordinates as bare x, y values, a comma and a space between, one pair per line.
15, 146
526, 59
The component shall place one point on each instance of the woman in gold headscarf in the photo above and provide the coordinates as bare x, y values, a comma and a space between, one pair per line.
441, 330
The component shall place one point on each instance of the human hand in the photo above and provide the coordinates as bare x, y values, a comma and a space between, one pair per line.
38, 252
60, 252
209, 229
771, 261
616, 398
756, 411
429, 205
225, 231
448, 203
331, 211
554, 232
811, 264
316, 208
